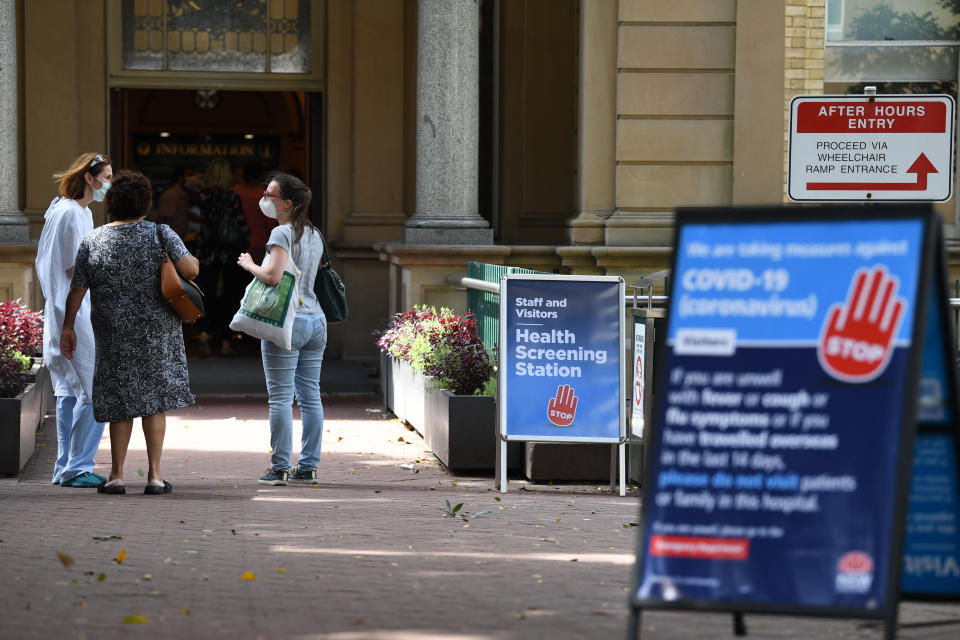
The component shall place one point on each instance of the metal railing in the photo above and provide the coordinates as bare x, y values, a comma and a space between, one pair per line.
483, 297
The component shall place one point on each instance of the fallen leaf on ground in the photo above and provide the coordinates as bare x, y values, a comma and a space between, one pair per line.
101, 577
65, 558
248, 575
135, 620
281, 570
121, 556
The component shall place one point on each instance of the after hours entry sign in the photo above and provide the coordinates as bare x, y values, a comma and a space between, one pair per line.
871, 148
781, 440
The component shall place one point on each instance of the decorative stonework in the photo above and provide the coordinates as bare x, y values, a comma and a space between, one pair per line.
804, 30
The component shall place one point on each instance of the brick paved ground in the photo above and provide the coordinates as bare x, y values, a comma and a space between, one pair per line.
368, 553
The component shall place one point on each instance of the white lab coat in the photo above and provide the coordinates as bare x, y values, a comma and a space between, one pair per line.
66, 224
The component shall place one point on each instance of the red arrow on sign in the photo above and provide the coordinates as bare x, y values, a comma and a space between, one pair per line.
921, 166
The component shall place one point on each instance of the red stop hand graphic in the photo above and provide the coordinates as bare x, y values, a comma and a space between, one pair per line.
563, 407
856, 340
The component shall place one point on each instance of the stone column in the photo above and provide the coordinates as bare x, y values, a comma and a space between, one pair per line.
597, 143
448, 42
14, 226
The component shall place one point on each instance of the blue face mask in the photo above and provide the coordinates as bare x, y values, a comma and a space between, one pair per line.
101, 193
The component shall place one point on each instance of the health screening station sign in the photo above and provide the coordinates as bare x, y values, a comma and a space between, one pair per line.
561, 358
871, 148
777, 479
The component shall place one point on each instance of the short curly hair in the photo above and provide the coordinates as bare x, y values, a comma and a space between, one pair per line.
129, 196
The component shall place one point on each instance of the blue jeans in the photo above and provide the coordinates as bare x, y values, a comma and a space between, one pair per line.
78, 437
297, 369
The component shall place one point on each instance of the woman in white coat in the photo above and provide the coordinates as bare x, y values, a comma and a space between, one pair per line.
67, 221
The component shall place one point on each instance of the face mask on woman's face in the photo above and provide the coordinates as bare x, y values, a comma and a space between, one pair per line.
269, 207
101, 193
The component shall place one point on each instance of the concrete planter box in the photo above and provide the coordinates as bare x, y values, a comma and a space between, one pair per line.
408, 395
462, 432
19, 419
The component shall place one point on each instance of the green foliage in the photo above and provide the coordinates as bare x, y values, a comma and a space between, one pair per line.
21, 334
13, 371
490, 388
451, 511
441, 345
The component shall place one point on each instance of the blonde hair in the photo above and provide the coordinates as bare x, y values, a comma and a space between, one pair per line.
218, 176
70, 183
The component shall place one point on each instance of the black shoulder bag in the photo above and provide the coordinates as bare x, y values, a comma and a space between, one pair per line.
329, 288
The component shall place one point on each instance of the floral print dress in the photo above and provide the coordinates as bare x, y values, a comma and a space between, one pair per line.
141, 363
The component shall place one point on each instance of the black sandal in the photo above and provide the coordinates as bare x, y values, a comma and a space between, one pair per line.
116, 489
153, 490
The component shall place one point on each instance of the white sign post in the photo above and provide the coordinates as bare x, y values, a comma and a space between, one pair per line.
871, 148
639, 352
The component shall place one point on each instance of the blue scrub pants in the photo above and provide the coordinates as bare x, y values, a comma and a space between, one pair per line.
78, 437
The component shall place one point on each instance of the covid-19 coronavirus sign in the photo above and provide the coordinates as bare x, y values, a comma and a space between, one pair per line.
804, 353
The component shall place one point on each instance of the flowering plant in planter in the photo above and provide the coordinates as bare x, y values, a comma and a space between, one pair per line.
442, 345
21, 336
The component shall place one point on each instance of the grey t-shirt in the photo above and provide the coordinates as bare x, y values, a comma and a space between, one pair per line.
306, 254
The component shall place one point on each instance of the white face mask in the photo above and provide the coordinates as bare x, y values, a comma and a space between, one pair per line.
101, 193
269, 207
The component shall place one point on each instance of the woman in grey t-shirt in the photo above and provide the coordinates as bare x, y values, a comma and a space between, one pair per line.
288, 200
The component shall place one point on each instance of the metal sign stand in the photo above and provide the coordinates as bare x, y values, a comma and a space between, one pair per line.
618, 444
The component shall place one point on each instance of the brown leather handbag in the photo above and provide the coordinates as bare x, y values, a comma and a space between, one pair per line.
183, 295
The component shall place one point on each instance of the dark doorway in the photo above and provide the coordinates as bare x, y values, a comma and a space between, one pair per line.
163, 133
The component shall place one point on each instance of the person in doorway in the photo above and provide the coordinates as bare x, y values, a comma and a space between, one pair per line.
173, 208
250, 191
141, 364
287, 200
223, 235
66, 222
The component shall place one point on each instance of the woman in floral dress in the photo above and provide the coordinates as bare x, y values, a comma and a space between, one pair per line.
141, 364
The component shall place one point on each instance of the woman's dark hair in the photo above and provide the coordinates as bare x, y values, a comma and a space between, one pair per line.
130, 195
293, 189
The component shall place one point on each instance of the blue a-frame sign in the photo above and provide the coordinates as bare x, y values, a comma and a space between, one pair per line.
803, 452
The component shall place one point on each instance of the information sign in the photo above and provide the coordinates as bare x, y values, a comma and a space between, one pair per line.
561, 358
561, 371
639, 354
931, 554
871, 148
789, 380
